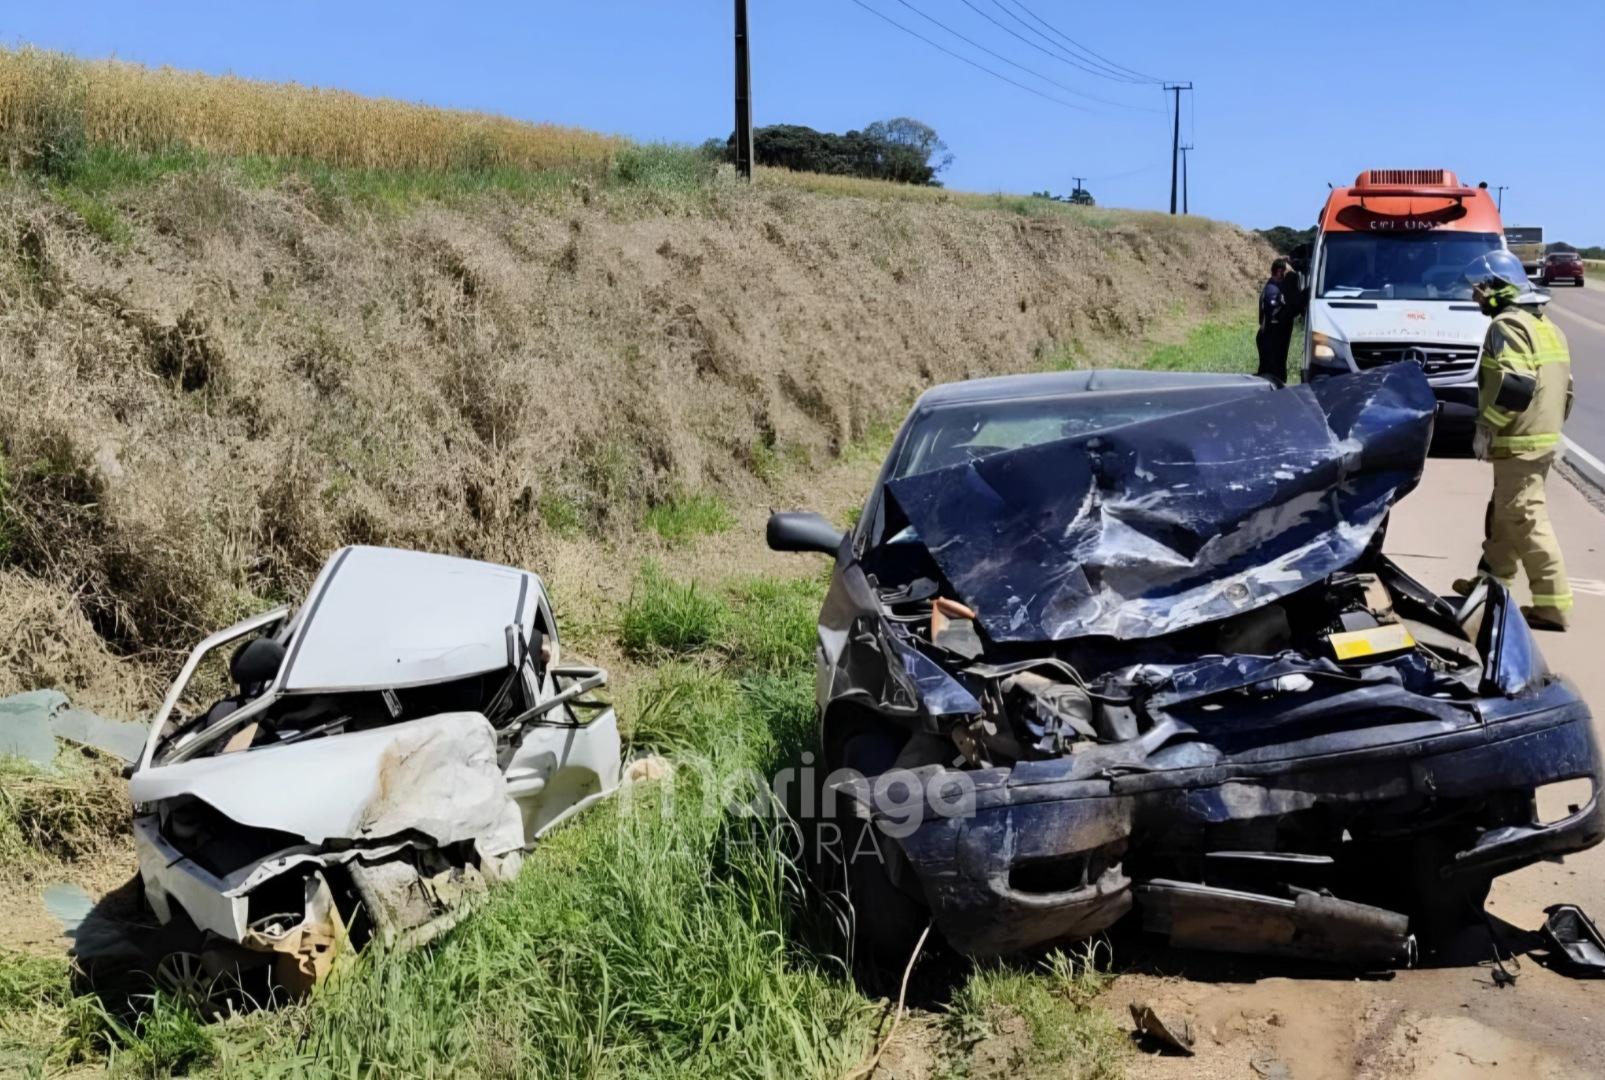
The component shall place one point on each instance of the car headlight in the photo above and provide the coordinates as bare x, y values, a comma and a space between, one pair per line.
1321, 347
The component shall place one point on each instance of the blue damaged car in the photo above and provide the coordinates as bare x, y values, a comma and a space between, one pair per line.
1121, 643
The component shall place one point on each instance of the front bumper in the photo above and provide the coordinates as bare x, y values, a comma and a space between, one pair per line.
1457, 407
1043, 856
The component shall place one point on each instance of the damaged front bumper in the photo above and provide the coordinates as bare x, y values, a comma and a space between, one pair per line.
1051, 849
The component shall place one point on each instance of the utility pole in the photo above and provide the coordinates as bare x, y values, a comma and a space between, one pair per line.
1500, 189
743, 95
1175, 138
1185, 147
1079, 180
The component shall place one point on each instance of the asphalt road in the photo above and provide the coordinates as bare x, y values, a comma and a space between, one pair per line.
1581, 315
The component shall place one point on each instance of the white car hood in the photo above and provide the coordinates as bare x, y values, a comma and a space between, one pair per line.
1426, 321
436, 776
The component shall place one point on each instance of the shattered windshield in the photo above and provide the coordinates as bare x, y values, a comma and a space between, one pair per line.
953, 434
1400, 266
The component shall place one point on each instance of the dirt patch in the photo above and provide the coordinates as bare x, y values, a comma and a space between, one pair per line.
1420, 1024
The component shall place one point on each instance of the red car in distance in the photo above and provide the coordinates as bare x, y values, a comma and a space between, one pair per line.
1561, 264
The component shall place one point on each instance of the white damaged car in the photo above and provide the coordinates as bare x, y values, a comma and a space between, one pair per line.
387, 752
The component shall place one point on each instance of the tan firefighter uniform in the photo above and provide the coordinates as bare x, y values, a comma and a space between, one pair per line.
1524, 445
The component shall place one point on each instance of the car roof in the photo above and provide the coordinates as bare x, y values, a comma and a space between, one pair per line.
1064, 383
381, 618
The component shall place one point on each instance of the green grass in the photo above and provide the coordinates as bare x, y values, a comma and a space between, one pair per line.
1068, 1035
663, 616
685, 517
44, 1023
1224, 345
99, 217
561, 513
772, 625
27, 981
83, 182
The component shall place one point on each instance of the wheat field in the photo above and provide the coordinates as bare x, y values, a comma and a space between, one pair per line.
48, 98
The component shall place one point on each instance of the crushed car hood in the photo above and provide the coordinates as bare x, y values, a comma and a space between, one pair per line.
436, 776
1146, 529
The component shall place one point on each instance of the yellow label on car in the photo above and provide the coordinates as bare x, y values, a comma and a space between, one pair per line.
1352, 644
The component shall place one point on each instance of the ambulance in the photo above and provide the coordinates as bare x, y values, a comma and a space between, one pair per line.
1386, 285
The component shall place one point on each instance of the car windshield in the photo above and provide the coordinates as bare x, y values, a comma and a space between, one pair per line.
963, 431
1400, 266
1563, 256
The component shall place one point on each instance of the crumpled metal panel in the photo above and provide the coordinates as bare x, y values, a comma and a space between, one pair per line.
1146, 529
436, 777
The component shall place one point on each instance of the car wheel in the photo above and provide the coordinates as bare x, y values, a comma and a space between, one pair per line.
886, 921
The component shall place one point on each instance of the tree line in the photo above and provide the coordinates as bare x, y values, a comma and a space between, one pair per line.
902, 150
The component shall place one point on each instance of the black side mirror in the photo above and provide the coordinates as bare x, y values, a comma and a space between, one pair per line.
796, 530
256, 661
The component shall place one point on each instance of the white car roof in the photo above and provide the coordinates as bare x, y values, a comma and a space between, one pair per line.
382, 617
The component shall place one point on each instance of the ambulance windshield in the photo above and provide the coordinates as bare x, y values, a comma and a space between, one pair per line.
1400, 266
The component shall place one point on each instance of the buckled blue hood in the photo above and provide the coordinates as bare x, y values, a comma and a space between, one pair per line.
1146, 529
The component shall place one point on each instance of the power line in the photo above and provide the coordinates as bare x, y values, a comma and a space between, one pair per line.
1131, 73
1006, 60
972, 63
1054, 53
1100, 70
1107, 177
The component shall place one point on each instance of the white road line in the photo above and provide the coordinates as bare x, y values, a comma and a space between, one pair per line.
1573, 450
1566, 313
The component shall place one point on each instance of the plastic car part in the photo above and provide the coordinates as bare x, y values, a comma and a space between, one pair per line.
1575, 939
1307, 926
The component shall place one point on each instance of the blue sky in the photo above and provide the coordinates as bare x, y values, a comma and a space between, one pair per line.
1289, 95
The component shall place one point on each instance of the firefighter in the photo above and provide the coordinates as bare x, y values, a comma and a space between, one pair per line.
1524, 394
1278, 307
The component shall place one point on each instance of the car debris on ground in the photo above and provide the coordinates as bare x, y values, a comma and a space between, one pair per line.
34, 723
1173, 1033
1145, 620
384, 755
1575, 943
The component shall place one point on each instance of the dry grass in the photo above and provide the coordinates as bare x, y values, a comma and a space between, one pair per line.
49, 819
46, 98
192, 417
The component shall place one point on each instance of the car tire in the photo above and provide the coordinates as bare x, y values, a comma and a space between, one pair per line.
886, 921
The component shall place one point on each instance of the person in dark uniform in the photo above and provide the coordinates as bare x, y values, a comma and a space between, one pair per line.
1280, 302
